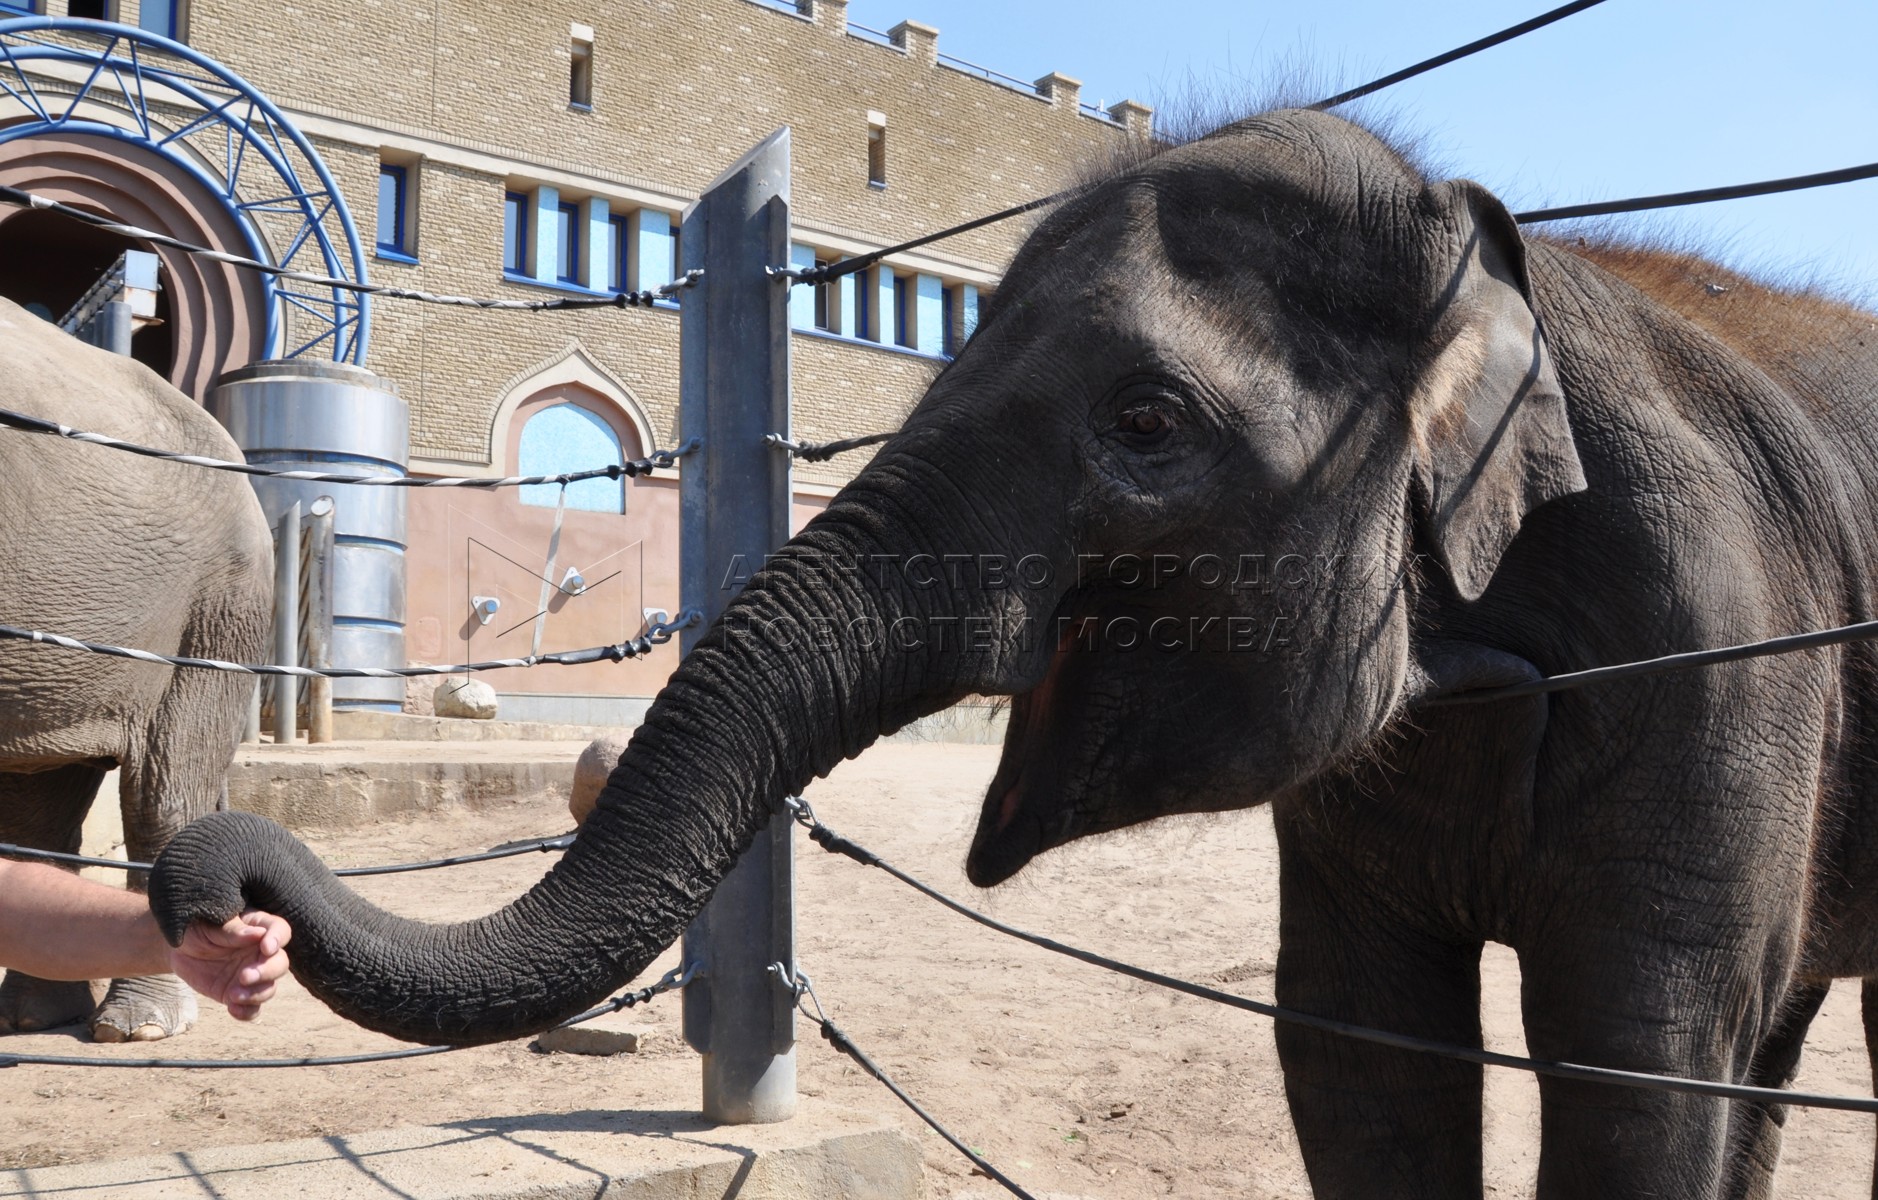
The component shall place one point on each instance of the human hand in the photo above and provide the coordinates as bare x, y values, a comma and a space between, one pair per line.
236, 963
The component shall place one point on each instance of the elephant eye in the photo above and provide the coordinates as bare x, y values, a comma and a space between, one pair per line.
1146, 421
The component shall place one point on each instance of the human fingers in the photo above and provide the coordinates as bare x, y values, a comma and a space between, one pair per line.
275, 931
265, 970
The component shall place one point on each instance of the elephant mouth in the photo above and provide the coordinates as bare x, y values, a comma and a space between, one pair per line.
1028, 808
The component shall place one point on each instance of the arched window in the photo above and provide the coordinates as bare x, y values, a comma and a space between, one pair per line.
566, 437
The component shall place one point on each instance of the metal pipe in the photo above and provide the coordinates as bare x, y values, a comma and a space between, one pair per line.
114, 326
734, 389
286, 621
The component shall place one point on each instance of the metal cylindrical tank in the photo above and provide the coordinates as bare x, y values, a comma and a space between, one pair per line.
337, 419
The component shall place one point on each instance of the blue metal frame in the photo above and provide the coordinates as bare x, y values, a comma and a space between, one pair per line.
237, 132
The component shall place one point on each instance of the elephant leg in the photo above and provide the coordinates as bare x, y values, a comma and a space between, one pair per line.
1639, 1005
181, 776
1371, 1120
1754, 1130
45, 810
151, 1007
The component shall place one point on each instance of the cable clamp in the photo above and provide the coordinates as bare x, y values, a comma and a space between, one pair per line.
799, 275
669, 458
689, 279
800, 811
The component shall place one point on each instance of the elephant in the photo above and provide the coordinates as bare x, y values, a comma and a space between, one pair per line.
1267, 447
155, 555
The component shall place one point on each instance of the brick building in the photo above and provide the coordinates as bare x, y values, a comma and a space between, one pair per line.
534, 150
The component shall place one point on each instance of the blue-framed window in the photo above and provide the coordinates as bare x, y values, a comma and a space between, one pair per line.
89, 10
13, 8
567, 437
951, 323
863, 306
619, 231
905, 322
515, 233
163, 17
567, 243
827, 301
394, 210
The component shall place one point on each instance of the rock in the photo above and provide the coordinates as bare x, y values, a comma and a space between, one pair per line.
596, 763
602, 1037
420, 693
471, 698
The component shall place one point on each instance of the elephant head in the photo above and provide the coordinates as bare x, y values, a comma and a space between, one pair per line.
1171, 496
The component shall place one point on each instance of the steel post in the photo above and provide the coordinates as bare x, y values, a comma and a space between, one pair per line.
734, 389
286, 621
316, 601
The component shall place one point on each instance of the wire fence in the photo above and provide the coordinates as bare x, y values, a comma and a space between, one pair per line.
672, 980
823, 451
829, 840
657, 634
658, 459
622, 299
506, 850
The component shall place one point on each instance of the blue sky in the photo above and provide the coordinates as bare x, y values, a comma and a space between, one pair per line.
1633, 97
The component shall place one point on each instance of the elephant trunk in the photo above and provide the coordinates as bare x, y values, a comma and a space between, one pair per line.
742, 722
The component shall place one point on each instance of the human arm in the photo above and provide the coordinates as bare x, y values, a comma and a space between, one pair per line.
58, 926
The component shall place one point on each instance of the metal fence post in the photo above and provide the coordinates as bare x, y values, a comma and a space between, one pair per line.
286, 621
316, 615
734, 389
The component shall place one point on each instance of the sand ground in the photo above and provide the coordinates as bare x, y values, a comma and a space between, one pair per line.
1073, 1080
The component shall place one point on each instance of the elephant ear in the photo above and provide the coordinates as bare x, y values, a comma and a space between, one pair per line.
1492, 442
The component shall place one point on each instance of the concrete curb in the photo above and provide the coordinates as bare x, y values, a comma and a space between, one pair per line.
343, 784
823, 1154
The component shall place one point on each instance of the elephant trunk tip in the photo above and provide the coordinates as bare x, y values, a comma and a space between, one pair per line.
206, 871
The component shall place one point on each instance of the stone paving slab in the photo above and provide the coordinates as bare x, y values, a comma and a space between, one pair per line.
824, 1153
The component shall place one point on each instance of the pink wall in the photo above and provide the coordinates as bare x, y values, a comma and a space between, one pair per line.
470, 542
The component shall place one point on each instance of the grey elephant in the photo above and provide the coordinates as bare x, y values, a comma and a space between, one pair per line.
1265, 444
108, 547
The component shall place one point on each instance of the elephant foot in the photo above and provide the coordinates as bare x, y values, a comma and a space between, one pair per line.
146, 1009
29, 1004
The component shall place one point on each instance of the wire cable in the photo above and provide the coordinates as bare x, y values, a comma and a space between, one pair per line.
506, 850
829, 840
675, 978
1863, 631
836, 1037
640, 299
823, 451
657, 634
1739, 191
25, 423
829, 272
1459, 52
